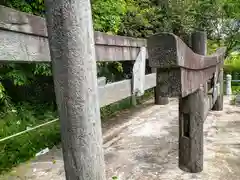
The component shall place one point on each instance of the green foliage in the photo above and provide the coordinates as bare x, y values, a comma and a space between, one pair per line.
113, 71
235, 93
21, 148
141, 19
43, 69
2, 92
107, 15
36, 7
236, 90
206, 14
232, 63
212, 46
232, 9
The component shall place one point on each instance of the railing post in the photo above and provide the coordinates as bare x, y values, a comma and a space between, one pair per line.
185, 74
199, 46
154, 70
161, 76
218, 106
158, 99
72, 50
199, 42
228, 85
191, 119
138, 76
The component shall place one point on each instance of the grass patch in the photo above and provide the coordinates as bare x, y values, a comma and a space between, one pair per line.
22, 148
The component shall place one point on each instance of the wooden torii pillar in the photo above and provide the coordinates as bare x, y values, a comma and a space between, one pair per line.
185, 73
71, 41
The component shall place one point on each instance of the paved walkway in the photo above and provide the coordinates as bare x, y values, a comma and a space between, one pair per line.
142, 145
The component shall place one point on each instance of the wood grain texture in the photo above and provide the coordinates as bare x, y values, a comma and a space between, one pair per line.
26, 35
191, 119
150, 81
154, 70
72, 50
194, 106
199, 46
15, 47
117, 91
162, 85
169, 82
199, 42
18, 47
139, 73
167, 51
218, 106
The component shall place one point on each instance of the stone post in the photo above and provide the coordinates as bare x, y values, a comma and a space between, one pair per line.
228, 85
72, 49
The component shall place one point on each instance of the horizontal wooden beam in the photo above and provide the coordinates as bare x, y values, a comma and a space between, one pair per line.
23, 38
117, 91
184, 70
167, 50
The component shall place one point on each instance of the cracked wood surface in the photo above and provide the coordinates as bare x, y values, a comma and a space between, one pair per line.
142, 144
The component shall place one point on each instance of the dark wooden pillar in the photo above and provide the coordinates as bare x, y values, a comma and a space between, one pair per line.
161, 77
199, 45
218, 106
199, 42
154, 70
72, 50
191, 119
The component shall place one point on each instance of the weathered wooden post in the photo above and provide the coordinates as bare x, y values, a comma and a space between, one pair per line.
154, 70
199, 46
199, 42
185, 74
138, 76
191, 118
160, 99
72, 50
218, 106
